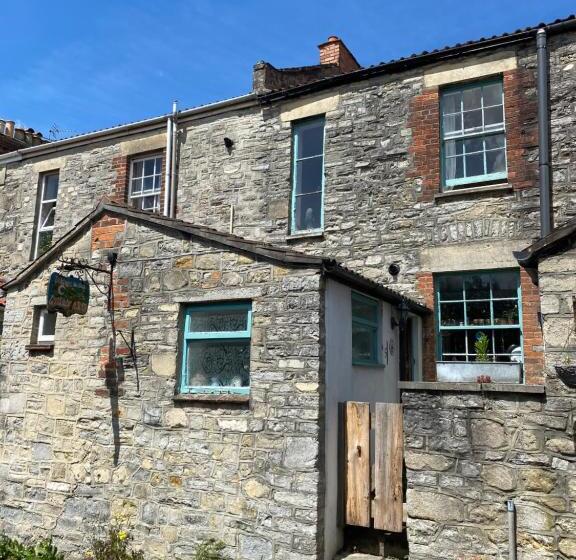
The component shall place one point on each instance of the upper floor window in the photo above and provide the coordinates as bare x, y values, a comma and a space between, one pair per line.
44, 326
46, 213
473, 134
365, 330
216, 348
308, 175
146, 183
474, 304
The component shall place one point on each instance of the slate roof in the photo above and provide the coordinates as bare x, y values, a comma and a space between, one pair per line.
257, 249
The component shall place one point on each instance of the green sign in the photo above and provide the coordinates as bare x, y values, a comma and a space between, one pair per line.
68, 295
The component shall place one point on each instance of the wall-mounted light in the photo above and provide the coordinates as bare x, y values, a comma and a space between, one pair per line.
394, 269
228, 142
402, 320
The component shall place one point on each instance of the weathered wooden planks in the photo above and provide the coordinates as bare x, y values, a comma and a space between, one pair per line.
387, 506
357, 452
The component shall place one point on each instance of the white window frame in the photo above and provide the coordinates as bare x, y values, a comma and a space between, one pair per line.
135, 197
40, 226
41, 337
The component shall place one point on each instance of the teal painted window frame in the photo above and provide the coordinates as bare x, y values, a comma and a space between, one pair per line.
451, 184
489, 327
362, 322
297, 128
188, 335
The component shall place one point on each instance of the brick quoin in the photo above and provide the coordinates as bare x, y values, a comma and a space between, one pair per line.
520, 106
531, 330
425, 285
107, 233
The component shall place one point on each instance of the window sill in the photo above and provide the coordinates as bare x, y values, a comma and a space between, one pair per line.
368, 365
471, 387
305, 234
39, 347
484, 189
212, 397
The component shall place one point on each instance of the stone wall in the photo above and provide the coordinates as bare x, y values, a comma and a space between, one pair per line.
468, 452
75, 448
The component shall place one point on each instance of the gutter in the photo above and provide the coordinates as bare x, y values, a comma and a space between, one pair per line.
131, 129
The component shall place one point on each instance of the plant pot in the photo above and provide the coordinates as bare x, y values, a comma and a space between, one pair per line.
499, 372
567, 375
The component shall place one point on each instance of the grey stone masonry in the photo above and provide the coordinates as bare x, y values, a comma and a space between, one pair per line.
73, 452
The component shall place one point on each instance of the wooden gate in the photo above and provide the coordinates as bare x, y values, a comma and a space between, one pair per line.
372, 466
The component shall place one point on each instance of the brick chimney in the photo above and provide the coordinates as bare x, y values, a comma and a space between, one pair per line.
334, 51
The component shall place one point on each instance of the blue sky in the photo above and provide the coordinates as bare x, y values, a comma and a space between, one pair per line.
87, 65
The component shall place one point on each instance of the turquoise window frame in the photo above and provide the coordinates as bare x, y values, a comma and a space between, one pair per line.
376, 325
297, 128
490, 327
221, 335
450, 184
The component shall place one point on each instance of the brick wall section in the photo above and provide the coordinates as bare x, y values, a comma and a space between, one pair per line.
521, 111
532, 331
425, 286
424, 120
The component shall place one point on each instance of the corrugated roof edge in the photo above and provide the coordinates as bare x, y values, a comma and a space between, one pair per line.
260, 249
425, 57
124, 129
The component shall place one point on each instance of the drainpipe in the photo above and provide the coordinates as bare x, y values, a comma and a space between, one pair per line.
173, 178
168, 173
544, 134
511, 529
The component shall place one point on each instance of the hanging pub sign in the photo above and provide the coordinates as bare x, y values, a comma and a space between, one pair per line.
68, 295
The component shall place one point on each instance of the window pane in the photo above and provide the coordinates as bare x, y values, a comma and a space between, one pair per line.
473, 337
219, 320
496, 161
452, 123
147, 203
157, 183
149, 166
44, 242
475, 165
453, 147
473, 120
494, 141
474, 145
477, 286
158, 166
472, 98
364, 309
308, 211
311, 140
452, 314
493, 116
137, 168
492, 94
451, 102
454, 168
48, 323
505, 285
506, 312
136, 187
309, 175
51, 186
450, 287
454, 342
148, 184
364, 343
478, 313
47, 214
507, 341
219, 363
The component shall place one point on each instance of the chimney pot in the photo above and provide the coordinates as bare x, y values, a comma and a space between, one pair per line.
9, 129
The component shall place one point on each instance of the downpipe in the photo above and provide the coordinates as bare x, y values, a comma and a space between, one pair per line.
167, 172
511, 507
544, 133
173, 160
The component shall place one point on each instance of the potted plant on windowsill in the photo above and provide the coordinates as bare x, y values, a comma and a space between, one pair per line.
482, 368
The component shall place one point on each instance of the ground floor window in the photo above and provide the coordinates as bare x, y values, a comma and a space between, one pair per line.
216, 348
479, 316
44, 327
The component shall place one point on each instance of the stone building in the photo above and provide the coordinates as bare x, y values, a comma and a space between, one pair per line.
423, 175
